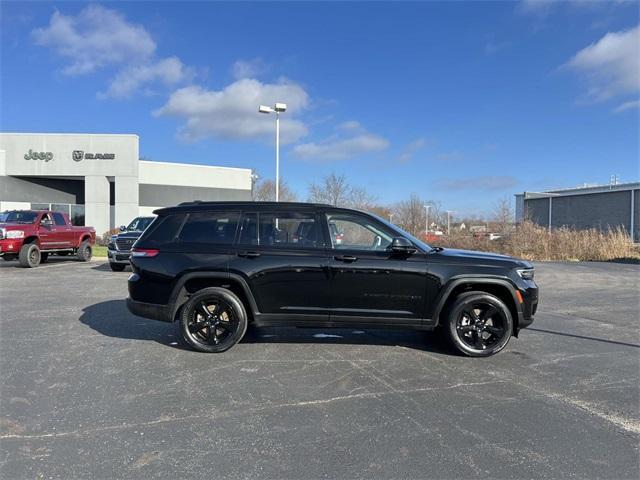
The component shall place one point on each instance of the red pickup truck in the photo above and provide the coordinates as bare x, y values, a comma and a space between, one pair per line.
32, 235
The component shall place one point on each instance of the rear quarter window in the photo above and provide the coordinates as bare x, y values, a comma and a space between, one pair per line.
163, 230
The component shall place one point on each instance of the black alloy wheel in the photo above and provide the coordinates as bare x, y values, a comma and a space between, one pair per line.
479, 324
213, 320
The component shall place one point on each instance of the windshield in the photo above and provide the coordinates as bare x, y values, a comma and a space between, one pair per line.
419, 243
139, 224
18, 217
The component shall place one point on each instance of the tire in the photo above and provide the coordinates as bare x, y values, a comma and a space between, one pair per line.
226, 318
117, 267
478, 324
29, 255
84, 252
44, 256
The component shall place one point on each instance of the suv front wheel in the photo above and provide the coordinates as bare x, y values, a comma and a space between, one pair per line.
213, 320
478, 324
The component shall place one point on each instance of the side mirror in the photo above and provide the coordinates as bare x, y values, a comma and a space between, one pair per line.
402, 245
123, 228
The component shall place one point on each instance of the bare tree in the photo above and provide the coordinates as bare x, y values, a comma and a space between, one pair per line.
265, 191
503, 216
335, 190
411, 214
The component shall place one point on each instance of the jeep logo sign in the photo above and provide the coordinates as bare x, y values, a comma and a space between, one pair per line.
31, 155
78, 155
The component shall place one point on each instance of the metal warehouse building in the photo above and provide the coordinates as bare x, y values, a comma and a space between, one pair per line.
99, 180
601, 207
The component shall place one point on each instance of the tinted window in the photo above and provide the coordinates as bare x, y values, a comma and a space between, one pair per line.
283, 229
139, 224
58, 219
163, 230
210, 227
358, 232
19, 217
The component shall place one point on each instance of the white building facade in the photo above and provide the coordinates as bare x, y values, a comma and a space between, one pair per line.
99, 180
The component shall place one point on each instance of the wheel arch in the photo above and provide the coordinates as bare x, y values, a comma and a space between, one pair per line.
501, 288
32, 239
193, 282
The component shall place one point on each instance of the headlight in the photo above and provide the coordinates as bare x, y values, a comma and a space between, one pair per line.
526, 273
15, 234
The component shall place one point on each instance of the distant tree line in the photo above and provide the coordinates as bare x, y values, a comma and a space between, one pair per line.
409, 214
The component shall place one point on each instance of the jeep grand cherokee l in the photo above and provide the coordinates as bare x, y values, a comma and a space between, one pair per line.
215, 267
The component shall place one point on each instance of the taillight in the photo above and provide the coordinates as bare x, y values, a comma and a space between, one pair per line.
144, 252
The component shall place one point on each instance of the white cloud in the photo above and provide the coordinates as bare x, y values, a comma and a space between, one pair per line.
95, 38
232, 113
339, 147
169, 71
631, 105
248, 68
611, 65
411, 149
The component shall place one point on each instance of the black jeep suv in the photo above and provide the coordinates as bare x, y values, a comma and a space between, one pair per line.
215, 267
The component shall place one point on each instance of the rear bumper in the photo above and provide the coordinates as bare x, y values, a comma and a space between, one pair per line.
149, 310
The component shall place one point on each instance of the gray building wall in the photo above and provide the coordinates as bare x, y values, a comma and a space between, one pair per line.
166, 195
41, 190
601, 210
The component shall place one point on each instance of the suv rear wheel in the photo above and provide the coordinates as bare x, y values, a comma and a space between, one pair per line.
478, 324
213, 320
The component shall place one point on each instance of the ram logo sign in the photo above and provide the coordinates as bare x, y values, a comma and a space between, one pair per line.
79, 155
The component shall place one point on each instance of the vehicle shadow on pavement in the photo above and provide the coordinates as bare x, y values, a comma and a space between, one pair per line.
417, 340
111, 318
104, 267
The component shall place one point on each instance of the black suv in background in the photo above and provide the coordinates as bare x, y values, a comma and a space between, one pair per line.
216, 267
119, 247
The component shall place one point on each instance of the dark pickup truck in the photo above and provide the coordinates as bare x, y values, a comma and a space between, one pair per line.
119, 248
30, 236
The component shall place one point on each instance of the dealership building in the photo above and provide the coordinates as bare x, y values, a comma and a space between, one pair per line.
99, 180
601, 207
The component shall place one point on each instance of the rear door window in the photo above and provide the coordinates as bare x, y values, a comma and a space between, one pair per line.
163, 230
58, 219
218, 228
281, 230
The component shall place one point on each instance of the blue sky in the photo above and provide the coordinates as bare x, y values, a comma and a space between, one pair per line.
461, 102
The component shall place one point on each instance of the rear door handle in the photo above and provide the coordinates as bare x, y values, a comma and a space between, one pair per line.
346, 258
248, 254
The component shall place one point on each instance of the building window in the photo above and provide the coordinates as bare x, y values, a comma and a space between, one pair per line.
77, 215
39, 206
60, 207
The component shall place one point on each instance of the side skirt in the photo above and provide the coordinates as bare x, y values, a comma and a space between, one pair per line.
339, 321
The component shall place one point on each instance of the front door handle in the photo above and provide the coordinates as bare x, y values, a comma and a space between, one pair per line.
346, 258
248, 254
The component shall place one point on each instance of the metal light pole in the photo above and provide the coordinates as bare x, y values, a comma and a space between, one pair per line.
277, 109
426, 221
391, 218
449, 212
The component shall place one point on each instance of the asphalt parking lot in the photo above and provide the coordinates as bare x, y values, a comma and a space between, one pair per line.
90, 391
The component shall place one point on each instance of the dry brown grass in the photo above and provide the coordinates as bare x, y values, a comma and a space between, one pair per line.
533, 242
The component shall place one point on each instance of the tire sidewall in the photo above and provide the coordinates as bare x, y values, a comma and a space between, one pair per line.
455, 311
25, 255
227, 296
85, 247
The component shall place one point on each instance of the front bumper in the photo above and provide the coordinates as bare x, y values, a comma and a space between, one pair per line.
10, 246
529, 306
121, 258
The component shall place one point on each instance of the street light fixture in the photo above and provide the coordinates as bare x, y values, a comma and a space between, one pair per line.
278, 108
